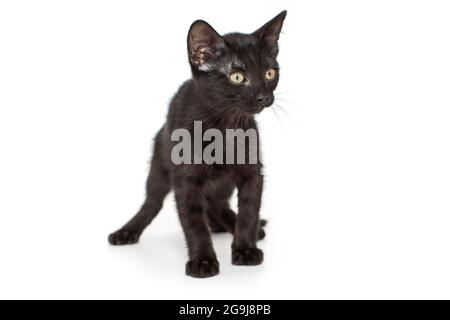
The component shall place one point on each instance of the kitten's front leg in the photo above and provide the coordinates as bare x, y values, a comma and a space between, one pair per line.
191, 205
244, 250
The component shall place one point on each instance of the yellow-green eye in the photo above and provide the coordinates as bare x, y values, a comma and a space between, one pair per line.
237, 77
270, 74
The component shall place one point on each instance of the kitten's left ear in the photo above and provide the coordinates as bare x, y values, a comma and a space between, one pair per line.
270, 32
204, 45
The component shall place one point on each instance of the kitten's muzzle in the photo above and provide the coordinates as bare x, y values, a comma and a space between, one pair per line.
264, 100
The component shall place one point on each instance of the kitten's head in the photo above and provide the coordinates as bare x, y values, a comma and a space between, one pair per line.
240, 69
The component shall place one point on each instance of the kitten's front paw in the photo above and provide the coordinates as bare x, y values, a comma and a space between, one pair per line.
202, 268
123, 237
247, 257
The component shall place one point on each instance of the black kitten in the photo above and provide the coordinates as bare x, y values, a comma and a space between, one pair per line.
233, 78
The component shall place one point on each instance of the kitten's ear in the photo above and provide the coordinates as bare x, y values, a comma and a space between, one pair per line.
270, 32
204, 45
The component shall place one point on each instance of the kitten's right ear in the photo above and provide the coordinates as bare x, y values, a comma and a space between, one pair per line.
204, 45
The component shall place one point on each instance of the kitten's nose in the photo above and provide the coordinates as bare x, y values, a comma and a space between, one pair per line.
264, 99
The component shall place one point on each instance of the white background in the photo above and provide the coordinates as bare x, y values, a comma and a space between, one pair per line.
357, 168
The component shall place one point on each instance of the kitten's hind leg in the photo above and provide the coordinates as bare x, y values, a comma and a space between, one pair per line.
220, 217
158, 186
224, 220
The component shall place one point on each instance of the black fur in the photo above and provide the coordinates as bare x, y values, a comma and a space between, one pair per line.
202, 192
